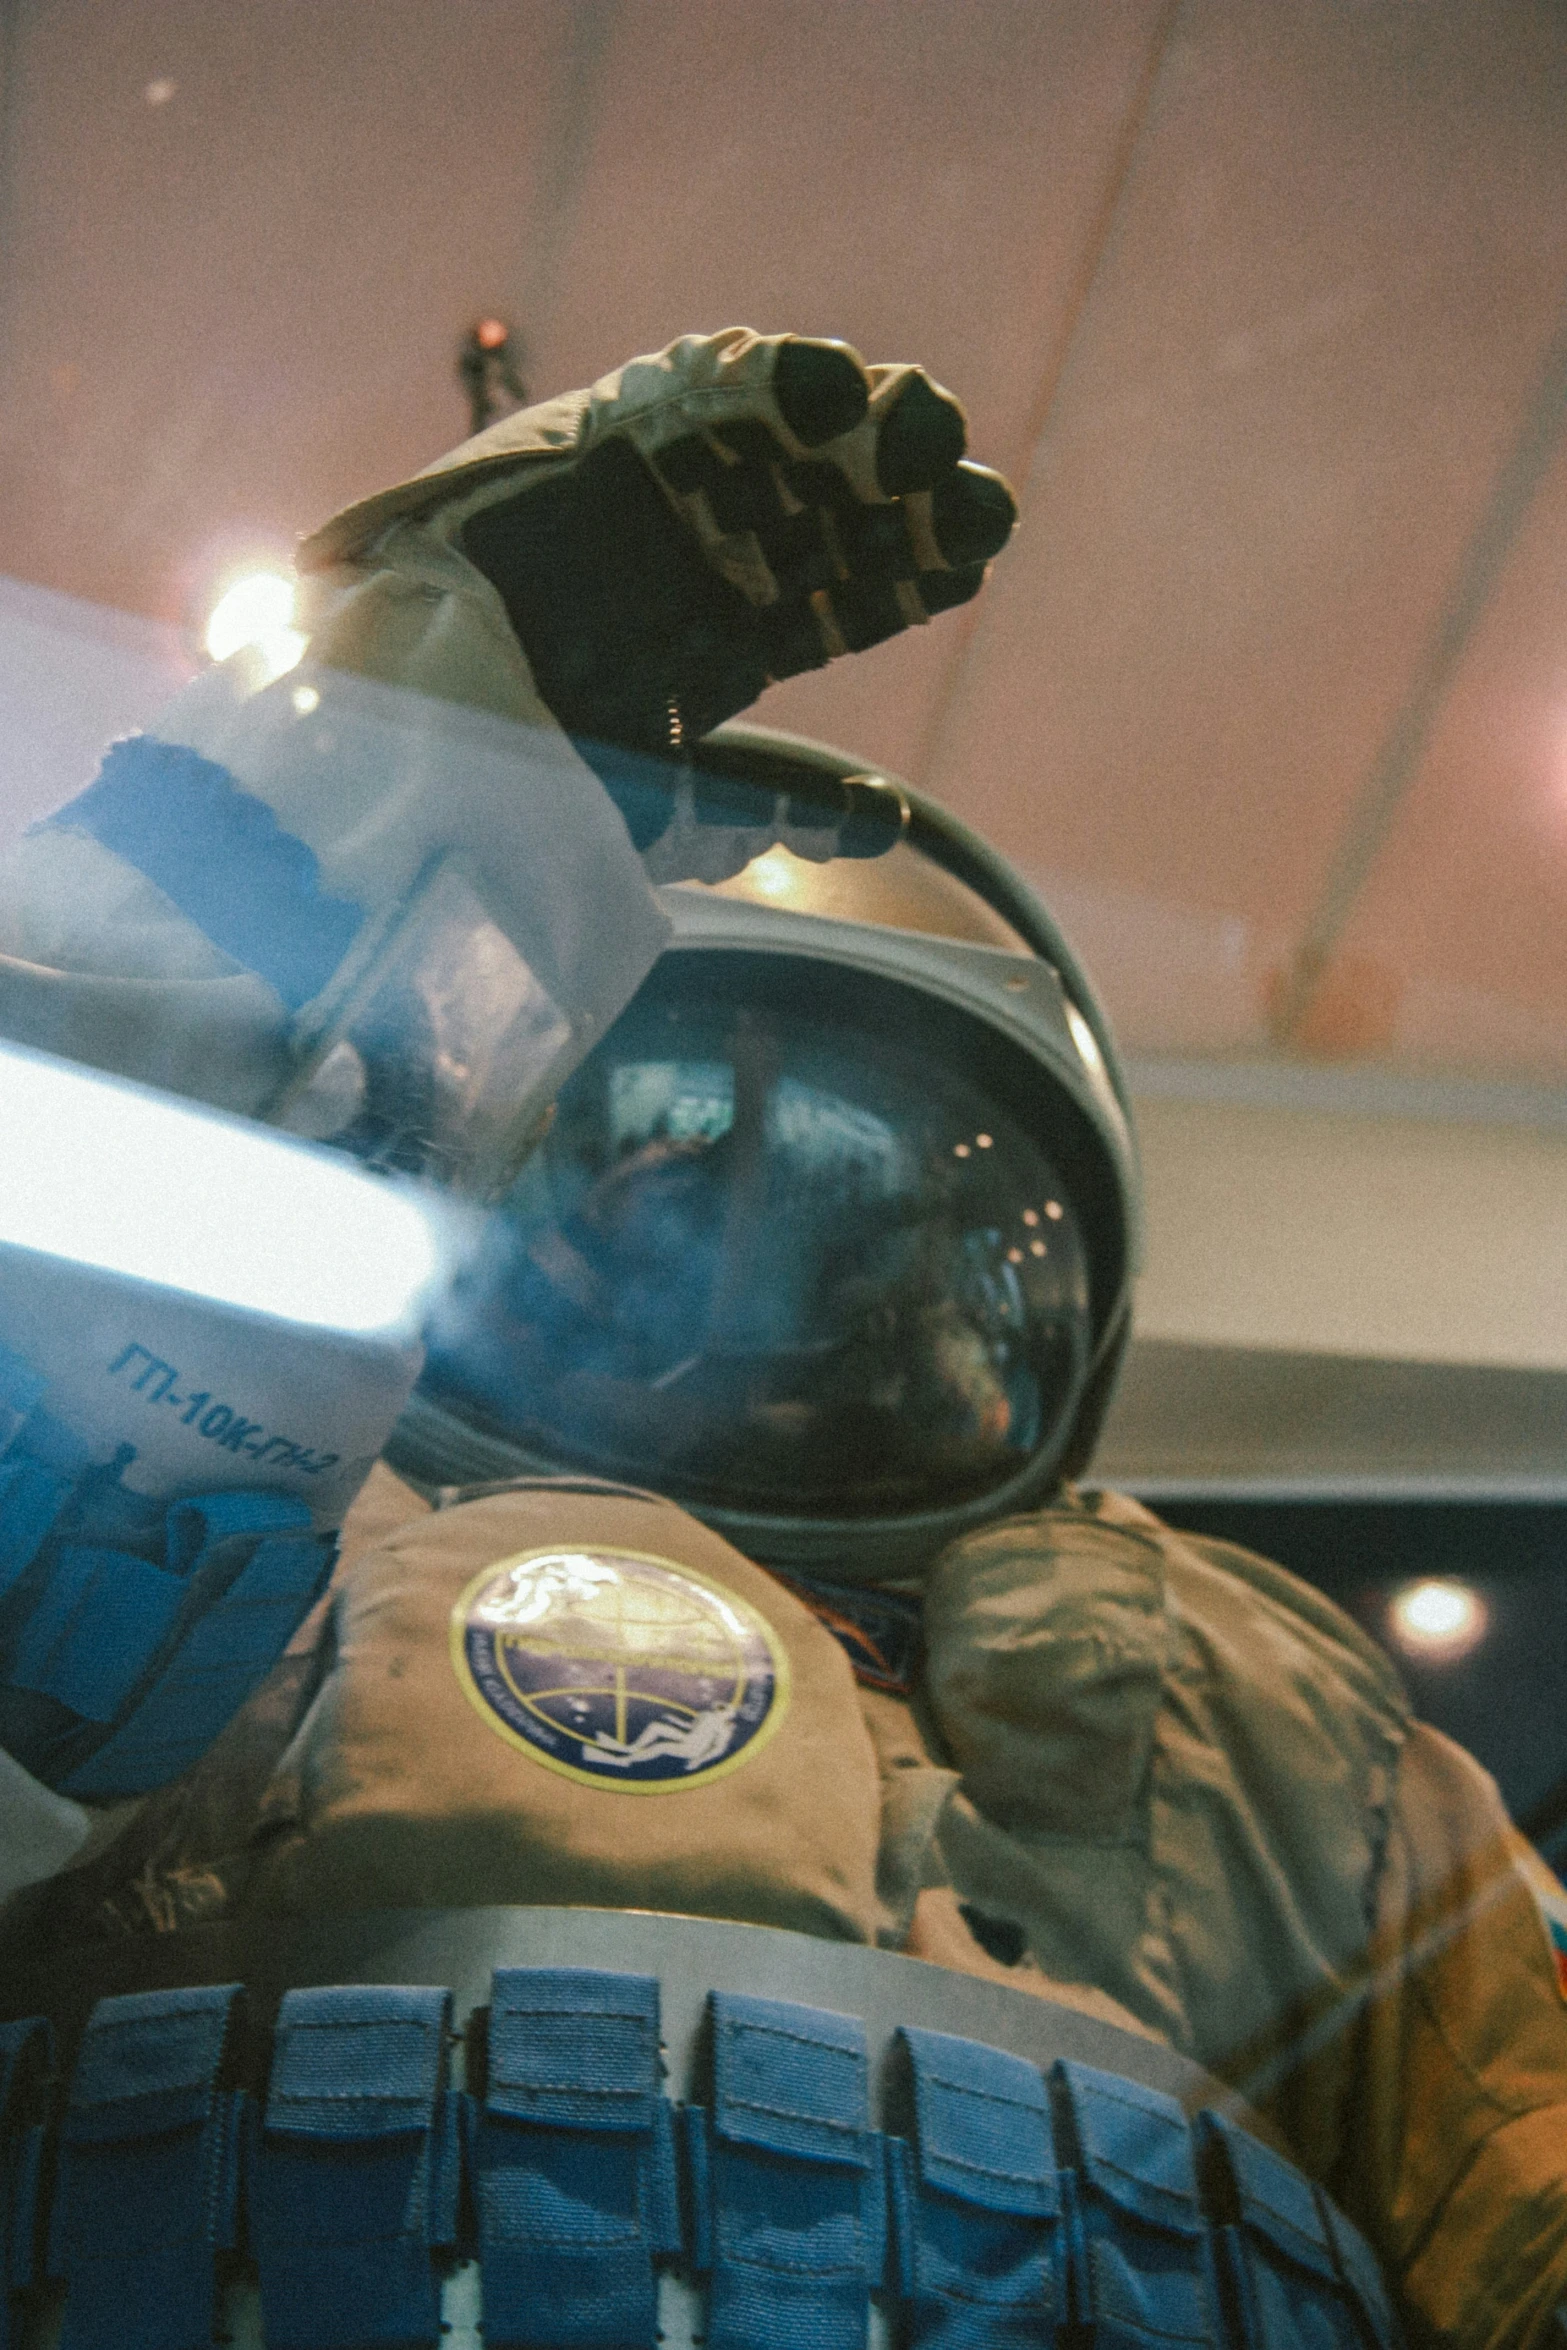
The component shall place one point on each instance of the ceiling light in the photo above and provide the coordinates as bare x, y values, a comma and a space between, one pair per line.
1437, 1621
256, 610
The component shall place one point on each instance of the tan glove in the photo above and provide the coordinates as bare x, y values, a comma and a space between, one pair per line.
704, 522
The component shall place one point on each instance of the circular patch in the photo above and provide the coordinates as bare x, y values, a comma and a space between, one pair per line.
618, 1668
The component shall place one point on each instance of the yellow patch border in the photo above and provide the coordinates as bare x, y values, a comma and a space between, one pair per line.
782, 1678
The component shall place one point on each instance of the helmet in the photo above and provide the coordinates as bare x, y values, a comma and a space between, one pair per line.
832, 1237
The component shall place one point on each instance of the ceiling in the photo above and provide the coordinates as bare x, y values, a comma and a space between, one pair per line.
1255, 304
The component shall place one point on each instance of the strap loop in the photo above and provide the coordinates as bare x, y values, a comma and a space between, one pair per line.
1139, 2270
148, 2186
788, 2185
1272, 2245
575, 2161
977, 2206
354, 2187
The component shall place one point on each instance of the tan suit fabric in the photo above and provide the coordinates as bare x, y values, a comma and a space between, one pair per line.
1193, 1784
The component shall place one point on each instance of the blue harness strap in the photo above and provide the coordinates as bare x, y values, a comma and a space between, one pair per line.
221, 856
147, 2193
26, 2062
230, 1644
976, 2207
1140, 2268
1281, 2276
354, 2176
787, 2178
574, 2161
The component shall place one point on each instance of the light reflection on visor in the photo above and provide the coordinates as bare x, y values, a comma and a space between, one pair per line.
793, 1245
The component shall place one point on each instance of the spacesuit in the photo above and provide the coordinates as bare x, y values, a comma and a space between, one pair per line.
733, 1557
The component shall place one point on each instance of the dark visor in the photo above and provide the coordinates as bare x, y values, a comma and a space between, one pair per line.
797, 1243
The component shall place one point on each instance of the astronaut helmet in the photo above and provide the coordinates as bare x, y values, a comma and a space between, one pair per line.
832, 1237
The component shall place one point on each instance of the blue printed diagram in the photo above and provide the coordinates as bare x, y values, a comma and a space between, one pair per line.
41, 1463
131, 1628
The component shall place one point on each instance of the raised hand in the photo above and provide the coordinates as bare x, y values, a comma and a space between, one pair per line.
736, 510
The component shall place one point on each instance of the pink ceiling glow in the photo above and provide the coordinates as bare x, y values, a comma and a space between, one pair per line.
1256, 304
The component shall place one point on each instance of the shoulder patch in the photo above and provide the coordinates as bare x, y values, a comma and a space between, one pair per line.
619, 1669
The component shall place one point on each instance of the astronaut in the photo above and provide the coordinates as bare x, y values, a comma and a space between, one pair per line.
385, 901
792, 1338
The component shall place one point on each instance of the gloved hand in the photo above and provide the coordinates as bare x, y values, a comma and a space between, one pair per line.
706, 521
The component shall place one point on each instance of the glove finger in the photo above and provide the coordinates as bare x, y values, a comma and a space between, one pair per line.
821, 389
943, 591
821, 548
913, 433
854, 614
799, 633
727, 492
821, 392
868, 612
920, 435
966, 519
972, 514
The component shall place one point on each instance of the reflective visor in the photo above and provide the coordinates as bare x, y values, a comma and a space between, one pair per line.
797, 1243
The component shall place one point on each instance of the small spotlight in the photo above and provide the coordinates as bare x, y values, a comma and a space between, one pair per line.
1437, 1621
487, 370
258, 611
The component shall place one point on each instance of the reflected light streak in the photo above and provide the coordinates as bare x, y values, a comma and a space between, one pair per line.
771, 872
106, 1174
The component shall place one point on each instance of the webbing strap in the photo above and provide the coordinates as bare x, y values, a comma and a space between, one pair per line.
976, 2208
788, 2194
221, 855
1274, 2247
230, 1643
354, 2172
1137, 2235
574, 2161
146, 2199
26, 2060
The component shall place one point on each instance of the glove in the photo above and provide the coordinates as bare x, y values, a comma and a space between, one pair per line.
704, 522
